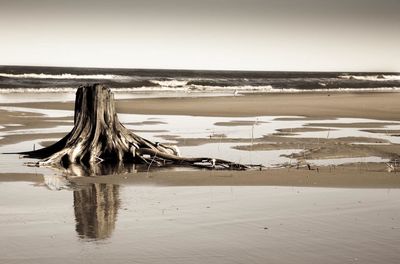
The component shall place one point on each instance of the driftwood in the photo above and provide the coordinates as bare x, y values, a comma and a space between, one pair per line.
99, 138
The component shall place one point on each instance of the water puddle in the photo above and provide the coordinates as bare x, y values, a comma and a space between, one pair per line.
341, 161
157, 127
44, 112
268, 158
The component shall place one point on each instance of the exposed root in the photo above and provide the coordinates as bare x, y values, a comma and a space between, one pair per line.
99, 138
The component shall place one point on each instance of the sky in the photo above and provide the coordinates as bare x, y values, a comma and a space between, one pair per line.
298, 35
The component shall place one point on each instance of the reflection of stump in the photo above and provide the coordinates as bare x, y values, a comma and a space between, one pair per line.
100, 169
96, 210
99, 137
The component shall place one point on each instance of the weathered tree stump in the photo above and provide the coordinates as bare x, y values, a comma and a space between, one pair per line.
99, 137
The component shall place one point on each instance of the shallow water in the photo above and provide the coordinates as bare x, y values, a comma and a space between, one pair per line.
338, 161
14, 96
203, 127
105, 223
155, 128
268, 158
259, 126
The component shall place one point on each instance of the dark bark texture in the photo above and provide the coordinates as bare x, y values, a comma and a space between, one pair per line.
99, 138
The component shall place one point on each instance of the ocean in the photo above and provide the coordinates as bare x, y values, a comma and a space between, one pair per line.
65, 79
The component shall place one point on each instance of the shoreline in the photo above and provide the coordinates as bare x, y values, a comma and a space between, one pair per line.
346, 176
349, 176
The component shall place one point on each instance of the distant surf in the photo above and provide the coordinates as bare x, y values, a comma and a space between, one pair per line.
380, 77
63, 76
15, 79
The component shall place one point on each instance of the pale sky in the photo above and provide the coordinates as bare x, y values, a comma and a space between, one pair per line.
302, 35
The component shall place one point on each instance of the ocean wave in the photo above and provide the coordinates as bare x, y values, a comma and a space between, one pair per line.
380, 77
72, 90
37, 90
242, 88
65, 76
170, 83
269, 89
234, 90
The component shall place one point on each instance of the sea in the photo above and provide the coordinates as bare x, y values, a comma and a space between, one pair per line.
15, 79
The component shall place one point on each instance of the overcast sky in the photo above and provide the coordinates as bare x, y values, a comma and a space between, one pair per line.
358, 35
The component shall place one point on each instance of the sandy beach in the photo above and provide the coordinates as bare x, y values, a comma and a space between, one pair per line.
200, 132
322, 125
383, 106
188, 215
319, 113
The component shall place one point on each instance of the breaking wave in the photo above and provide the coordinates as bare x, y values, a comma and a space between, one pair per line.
66, 80
170, 83
195, 89
380, 77
64, 76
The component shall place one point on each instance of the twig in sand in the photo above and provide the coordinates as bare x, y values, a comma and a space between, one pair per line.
393, 166
154, 157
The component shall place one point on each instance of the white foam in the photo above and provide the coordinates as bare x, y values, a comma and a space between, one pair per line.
170, 83
243, 88
64, 76
372, 77
198, 89
270, 89
37, 90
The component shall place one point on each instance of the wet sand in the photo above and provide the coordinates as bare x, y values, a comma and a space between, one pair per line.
344, 176
329, 214
382, 106
327, 148
366, 175
313, 148
105, 223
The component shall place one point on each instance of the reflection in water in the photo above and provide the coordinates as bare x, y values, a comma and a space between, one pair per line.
96, 209
56, 182
99, 169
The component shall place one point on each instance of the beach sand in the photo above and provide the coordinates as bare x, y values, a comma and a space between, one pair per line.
329, 214
382, 106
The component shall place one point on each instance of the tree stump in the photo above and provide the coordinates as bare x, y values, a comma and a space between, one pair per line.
99, 138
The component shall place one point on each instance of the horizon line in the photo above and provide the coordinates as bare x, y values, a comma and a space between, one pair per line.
198, 69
